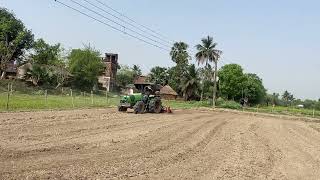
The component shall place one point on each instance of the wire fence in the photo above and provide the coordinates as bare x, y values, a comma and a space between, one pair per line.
67, 98
51, 99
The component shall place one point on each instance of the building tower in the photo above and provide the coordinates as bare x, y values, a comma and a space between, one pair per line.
108, 79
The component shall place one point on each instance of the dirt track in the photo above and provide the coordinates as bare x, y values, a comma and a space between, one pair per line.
103, 144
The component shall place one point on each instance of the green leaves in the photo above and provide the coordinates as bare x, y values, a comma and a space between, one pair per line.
85, 65
14, 38
159, 75
46, 54
190, 83
207, 51
179, 53
234, 84
126, 75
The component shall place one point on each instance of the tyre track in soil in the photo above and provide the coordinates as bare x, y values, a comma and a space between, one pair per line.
186, 145
65, 147
184, 120
160, 157
167, 154
76, 132
109, 129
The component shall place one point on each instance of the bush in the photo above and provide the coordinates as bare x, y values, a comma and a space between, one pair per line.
219, 101
229, 105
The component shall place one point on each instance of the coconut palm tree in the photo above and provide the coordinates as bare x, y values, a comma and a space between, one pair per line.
207, 53
190, 83
205, 75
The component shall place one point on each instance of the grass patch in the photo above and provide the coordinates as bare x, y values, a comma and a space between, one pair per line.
21, 102
285, 111
185, 104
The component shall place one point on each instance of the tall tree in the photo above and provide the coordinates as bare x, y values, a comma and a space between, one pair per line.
14, 39
46, 54
254, 89
207, 52
137, 70
232, 80
125, 76
190, 83
85, 65
48, 65
287, 97
159, 75
206, 78
179, 55
235, 85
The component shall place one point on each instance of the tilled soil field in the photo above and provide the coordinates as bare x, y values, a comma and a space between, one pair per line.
189, 144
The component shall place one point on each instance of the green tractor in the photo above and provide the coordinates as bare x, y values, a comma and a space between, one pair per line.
148, 100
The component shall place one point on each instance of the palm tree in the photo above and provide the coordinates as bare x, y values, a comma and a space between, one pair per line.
205, 75
190, 83
180, 56
207, 53
179, 53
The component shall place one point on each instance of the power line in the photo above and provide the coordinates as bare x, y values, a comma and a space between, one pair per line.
114, 28
126, 22
130, 19
133, 31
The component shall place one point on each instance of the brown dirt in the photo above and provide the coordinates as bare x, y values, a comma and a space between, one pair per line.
189, 144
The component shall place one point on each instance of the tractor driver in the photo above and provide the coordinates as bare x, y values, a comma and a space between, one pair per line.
147, 93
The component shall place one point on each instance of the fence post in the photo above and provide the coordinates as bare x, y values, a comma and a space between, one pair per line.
72, 97
313, 113
8, 97
107, 96
46, 96
11, 89
91, 97
272, 108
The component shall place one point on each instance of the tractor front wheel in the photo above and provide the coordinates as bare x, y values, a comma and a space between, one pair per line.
122, 109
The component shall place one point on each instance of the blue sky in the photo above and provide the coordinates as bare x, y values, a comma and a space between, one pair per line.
278, 40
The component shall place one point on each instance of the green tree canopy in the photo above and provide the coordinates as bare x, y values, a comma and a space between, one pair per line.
14, 39
207, 52
46, 54
85, 65
287, 97
234, 84
231, 81
254, 89
48, 65
190, 83
179, 55
136, 70
159, 75
125, 76
206, 79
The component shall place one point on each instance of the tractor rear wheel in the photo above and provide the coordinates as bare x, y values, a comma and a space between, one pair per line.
158, 106
139, 108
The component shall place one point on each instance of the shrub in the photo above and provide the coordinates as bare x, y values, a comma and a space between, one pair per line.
230, 105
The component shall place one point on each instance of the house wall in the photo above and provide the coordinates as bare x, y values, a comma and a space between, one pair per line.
110, 73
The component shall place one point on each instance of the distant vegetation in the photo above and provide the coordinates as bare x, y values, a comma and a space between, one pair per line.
202, 84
